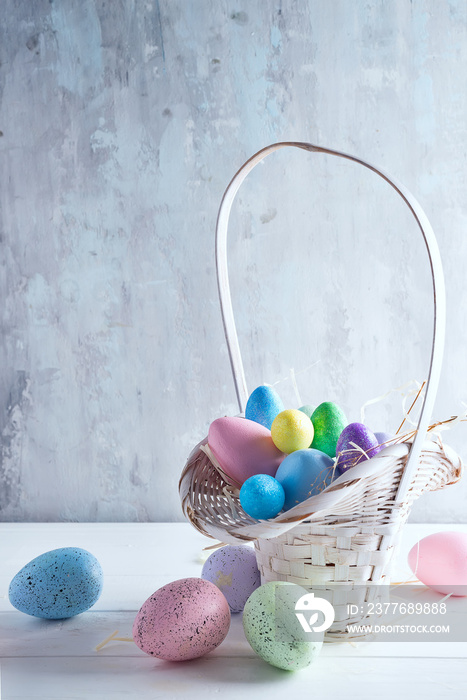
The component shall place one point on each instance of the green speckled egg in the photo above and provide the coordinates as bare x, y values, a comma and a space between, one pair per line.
328, 421
273, 629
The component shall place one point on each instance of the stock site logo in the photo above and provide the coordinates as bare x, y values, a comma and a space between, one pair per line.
312, 606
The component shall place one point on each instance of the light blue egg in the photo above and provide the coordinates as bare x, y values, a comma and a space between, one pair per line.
307, 409
58, 584
262, 497
264, 405
304, 473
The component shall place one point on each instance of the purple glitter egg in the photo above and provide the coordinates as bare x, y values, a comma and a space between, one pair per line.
355, 434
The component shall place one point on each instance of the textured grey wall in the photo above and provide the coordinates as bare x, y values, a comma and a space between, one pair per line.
122, 122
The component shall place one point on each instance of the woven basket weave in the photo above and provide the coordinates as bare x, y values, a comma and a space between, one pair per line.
340, 542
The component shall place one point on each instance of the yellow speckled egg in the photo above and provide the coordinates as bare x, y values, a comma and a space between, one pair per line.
292, 430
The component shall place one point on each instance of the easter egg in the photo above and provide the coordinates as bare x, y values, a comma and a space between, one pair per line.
328, 422
304, 473
273, 629
233, 569
263, 406
347, 454
58, 584
383, 438
307, 409
243, 448
440, 562
291, 430
182, 620
262, 497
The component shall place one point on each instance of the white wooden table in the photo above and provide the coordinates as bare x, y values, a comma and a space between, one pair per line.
57, 659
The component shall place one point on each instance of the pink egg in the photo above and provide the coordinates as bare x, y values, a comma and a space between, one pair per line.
182, 620
243, 448
440, 562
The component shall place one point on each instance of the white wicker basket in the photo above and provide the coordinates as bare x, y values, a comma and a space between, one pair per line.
340, 542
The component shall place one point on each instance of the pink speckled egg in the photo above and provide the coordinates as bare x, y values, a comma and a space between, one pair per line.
233, 569
182, 620
440, 562
243, 448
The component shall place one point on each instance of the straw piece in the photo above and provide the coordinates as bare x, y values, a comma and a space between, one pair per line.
295, 386
106, 640
378, 399
412, 405
214, 546
113, 638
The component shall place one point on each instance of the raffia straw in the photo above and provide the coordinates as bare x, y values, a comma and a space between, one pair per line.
357, 448
295, 386
113, 638
413, 404
448, 595
293, 374
406, 412
399, 389
443, 425
439, 425
102, 644
214, 546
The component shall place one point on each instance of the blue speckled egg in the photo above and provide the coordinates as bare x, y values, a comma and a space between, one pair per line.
262, 497
304, 473
263, 406
273, 630
233, 569
348, 455
57, 584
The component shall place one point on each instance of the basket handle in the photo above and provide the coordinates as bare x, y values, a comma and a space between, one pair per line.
438, 291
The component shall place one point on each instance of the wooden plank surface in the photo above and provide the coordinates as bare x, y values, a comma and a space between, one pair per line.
107, 678
57, 659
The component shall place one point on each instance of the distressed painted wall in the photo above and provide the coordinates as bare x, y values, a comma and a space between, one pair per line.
121, 124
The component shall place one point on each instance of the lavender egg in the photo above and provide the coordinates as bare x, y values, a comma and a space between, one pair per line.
182, 620
234, 571
347, 454
383, 438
